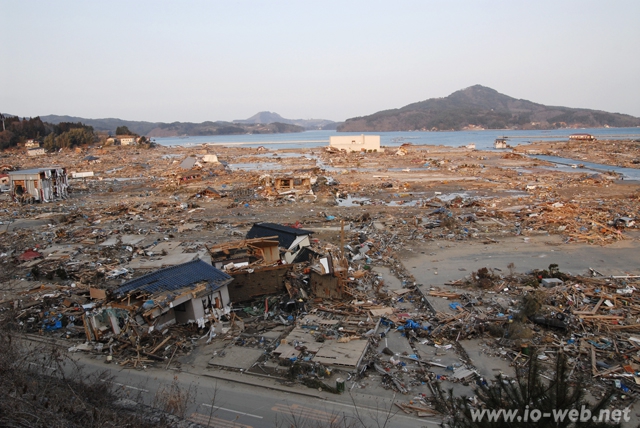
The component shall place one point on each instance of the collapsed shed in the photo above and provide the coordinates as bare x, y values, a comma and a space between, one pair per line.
39, 184
289, 186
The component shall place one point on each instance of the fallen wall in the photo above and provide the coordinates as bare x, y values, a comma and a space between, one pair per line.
260, 282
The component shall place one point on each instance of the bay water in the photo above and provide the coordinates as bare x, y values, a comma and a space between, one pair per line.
483, 139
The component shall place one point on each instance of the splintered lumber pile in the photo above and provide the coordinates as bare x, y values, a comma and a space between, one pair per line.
582, 224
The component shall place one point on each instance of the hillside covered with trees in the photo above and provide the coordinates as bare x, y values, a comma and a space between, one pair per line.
482, 107
63, 134
174, 129
66, 134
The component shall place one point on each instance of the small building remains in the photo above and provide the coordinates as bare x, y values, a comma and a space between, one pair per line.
210, 159
356, 143
39, 184
32, 144
38, 151
581, 137
288, 186
500, 143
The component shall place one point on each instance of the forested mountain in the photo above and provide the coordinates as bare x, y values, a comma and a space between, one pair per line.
160, 129
16, 131
65, 131
105, 125
482, 107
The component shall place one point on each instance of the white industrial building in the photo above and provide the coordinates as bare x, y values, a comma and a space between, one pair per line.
356, 143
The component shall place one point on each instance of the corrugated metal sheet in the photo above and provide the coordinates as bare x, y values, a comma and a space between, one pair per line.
33, 171
176, 277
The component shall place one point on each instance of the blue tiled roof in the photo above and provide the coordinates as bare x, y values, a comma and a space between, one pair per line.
176, 277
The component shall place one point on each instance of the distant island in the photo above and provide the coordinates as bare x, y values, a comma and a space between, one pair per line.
473, 108
265, 117
479, 107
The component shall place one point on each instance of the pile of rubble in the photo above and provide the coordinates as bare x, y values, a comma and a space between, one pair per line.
112, 270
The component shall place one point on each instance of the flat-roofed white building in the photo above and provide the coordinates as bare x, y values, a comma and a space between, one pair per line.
582, 137
36, 151
356, 143
126, 140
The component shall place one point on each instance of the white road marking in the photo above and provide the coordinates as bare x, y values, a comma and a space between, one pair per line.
127, 386
230, 410
53, 369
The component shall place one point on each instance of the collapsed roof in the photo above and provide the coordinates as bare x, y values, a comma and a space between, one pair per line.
286, 235
176, 277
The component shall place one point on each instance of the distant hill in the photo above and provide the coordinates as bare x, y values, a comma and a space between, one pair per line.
106, 125
266, 117
160, 129
481, 107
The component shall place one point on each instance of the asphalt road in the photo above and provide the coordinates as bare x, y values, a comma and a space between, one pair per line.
221, 403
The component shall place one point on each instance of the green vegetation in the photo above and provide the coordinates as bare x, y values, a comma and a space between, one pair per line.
65, 134
563, 389
77, 135
18, 131
124, 130
160, 129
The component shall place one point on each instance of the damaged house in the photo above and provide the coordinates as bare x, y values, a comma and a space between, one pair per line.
262, 264
39, 184
288, 186
291, 239
255, 266
192, 292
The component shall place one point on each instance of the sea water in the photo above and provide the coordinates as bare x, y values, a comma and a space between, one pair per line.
483, 140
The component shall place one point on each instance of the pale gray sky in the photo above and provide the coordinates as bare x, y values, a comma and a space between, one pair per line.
223, 60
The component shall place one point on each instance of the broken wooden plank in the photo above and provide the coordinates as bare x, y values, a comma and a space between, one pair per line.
402, 408
160, 345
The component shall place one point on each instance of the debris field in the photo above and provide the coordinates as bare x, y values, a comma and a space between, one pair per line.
291, 264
